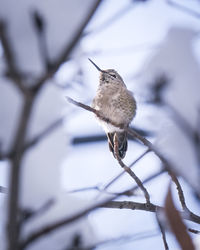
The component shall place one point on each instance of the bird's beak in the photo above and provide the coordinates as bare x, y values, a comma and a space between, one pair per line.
95, 65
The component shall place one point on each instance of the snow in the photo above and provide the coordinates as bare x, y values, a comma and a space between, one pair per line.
175, 58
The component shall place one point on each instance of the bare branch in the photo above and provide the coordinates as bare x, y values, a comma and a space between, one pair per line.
66, 51
179, 189
194, 231
176, 223
13, 205
108, 203
129, 171
183, 9
167, 164
3, 190
144, 207
181, 196
54, 125
149, 207
119, 240
130, 131
119, 175
128, 192
111, 19
162, 230
60, 223
10, 59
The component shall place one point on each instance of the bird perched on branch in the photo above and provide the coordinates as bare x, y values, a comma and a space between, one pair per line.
116, 103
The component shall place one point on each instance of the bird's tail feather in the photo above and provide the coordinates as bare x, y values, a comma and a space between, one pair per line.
122, 143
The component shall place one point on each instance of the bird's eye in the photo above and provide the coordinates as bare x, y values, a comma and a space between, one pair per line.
113, 75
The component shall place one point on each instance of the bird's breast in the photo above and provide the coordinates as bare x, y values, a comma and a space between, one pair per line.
115, 103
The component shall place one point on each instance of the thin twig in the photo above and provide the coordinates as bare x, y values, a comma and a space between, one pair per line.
162, 230
13, 205
129, 171
3, 190
194, 231
60, 223
181, 196
179, 189
183, 8
10, 59
128, 192
119, 14
122, 173
119, 240
66, 51
132, 205
33, 142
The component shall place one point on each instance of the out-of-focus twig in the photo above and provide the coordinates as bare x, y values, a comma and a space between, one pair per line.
119, 240
3, 190
34, 141
12, 70
66, 51
18, 143
194, 231
119, 14
30, 214
128, 192
40, 26
183, 8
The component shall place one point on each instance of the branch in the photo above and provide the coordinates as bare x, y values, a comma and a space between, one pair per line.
13, 72
179, 189
194, 231
119, 240
144, 207
42, 135
102, 137
66, 51
13, 203
128, 192
147, 143
183, 9
109, 203
119, 14
176, 223
132, 205
60, 223
129, 171
162, 230
119, 175
3, 190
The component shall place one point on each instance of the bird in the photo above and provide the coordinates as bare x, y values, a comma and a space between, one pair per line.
116, 104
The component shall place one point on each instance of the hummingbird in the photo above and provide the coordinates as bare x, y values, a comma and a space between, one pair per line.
115, 102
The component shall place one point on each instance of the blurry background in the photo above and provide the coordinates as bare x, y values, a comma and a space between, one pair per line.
45, 46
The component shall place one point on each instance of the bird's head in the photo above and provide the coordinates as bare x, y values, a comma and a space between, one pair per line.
108, 75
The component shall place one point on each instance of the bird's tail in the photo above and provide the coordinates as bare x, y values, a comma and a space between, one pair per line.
122, 143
